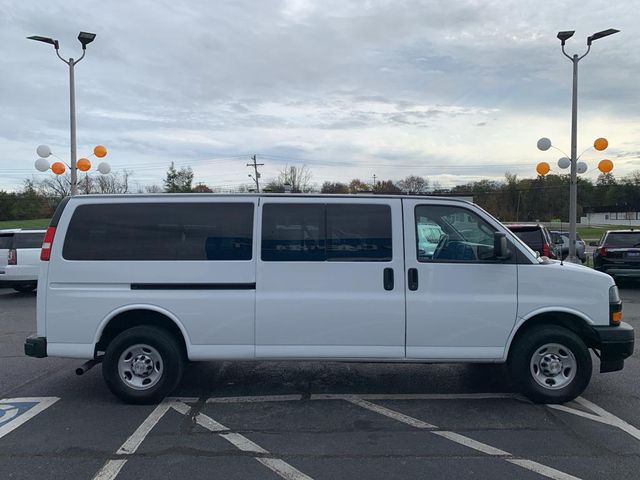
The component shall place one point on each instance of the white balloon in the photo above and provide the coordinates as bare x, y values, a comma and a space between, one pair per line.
564, 162
42, 164
104, 168
581, 167
43, 151
544, 144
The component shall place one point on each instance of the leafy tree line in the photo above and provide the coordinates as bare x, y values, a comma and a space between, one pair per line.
514, 199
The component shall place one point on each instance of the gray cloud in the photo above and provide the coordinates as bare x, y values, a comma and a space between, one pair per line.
363, 84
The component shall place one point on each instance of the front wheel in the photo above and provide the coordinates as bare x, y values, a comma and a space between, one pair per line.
551, 364
143, 364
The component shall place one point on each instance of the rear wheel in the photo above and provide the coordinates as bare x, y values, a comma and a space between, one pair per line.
551, 364
143, 365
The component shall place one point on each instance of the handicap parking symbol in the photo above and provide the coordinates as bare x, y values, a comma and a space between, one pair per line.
16, 411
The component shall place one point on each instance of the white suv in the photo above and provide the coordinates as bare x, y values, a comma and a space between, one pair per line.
20, 258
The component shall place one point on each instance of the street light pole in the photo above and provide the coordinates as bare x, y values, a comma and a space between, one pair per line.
573, 188
85, 38
72, 122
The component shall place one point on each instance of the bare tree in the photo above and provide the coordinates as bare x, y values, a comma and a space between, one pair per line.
113, 183
298, 177
334, 187
414, 184
153, 189
356, 186
54, 187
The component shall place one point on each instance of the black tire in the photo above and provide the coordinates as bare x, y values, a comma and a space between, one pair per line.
25, 288
172, 361
530, 343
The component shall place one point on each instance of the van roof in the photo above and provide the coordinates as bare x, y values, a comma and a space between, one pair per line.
270, 195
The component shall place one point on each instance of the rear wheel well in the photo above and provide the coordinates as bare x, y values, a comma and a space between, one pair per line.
567, 320
134, 318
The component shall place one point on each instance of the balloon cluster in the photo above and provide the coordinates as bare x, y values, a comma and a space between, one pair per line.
600, 144
83, 164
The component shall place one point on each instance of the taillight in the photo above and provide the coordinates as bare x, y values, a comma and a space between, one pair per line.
602, 251
13, 257
545, 250
45, 254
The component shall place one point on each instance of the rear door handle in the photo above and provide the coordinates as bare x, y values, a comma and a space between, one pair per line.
413, 279
387, 278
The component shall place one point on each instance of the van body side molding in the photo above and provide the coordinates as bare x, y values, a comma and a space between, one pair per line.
193, 286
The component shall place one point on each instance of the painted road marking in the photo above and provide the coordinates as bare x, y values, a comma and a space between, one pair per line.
16, 411
112, 468
466, 441
372, 396
599, 415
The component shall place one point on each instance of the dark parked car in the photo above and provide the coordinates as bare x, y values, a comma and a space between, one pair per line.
537, 237
618, 253
561, 239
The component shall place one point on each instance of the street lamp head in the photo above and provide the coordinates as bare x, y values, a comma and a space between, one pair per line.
566, 35
51, 41
86, 38
603, 33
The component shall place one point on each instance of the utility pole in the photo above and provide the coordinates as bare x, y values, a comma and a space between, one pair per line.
256, 178
374, 180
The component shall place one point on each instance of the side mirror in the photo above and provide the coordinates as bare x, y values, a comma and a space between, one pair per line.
593, 244
500, 246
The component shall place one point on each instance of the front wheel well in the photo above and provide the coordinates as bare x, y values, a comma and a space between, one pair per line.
567, 320
134, 318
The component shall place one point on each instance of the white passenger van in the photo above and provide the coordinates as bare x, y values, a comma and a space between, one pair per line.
144, 283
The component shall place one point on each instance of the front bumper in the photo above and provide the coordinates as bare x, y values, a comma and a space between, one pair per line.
615, 344
35, 346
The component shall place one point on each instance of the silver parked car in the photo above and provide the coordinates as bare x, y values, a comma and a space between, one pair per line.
562, 238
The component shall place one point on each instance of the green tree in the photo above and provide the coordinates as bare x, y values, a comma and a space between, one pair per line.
178, 181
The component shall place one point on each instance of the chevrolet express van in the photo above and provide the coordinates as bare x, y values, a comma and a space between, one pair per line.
144, 283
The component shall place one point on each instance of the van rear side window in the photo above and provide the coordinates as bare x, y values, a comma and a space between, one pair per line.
160, 232
326, 232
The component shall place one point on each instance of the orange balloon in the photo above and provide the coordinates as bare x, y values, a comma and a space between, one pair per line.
605, 166
600, 144
58, 168
100, 151
83, 164
543, 168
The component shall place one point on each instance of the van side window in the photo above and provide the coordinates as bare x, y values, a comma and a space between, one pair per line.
160, 232
452, 234
359, 233
326, 232
293, 232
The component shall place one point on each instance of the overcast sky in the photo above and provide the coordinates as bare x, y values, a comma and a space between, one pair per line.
451, 90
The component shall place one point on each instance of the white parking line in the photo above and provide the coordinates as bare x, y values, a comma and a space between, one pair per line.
42, 403
414, 422
133, 442
599, 415
112, 468
466, 441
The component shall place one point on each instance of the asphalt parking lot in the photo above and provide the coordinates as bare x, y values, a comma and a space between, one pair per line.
309, 420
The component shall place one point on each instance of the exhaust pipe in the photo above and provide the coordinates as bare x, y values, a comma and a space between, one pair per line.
88, 365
